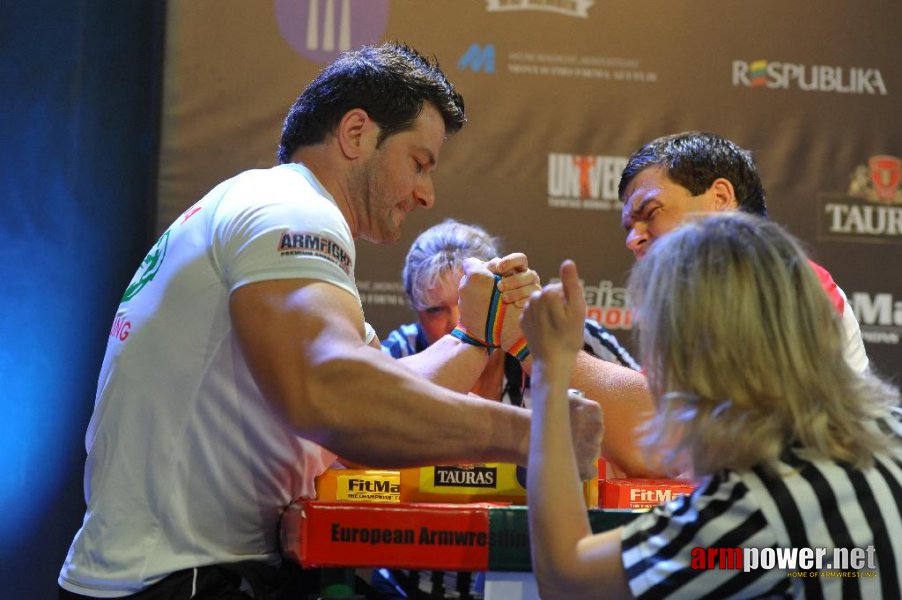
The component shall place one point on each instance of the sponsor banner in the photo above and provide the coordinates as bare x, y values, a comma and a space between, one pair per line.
441, 537
871, 209
359, 485
808, 78
485, 482
879, 315
584, 182
575, 66
568, 8
642, 494
381, 293
320, 29
606, 303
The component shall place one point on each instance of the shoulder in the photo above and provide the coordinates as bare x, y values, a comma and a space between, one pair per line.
664, 550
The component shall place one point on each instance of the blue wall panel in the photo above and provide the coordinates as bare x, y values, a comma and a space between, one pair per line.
78, 131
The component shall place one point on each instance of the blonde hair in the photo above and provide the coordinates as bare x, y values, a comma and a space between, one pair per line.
439, 252
744, 352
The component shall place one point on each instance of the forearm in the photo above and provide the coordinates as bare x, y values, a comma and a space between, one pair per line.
370, 409
449, 363
626, 402
557, 513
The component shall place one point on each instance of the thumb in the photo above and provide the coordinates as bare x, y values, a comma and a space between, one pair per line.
573, 289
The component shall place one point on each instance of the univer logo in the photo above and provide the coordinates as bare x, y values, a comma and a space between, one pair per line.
478, 58
808, 78
879, 315
871, 209
465, 476
570, 8
315, 244
584, 181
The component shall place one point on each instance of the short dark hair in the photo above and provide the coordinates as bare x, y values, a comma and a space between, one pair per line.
694, 159
390, 82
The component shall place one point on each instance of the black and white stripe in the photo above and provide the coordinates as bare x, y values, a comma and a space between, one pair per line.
806, 504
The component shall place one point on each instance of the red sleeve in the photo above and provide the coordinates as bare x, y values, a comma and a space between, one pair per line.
829, 286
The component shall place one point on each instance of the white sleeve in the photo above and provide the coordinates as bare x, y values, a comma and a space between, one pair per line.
282, 236
854, 351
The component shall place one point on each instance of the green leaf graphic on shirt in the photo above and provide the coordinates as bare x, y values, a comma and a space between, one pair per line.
149, 268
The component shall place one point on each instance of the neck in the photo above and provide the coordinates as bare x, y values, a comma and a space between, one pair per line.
331, 171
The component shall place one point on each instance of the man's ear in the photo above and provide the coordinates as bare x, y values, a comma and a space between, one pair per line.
356, 134
722, 194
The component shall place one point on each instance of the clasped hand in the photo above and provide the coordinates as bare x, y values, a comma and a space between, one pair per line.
517, 283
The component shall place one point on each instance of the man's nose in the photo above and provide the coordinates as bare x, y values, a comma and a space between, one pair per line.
637, 240
424, 193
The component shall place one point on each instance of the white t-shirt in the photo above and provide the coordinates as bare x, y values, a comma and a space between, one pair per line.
188, 464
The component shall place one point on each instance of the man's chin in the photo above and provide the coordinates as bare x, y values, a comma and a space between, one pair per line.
383, 237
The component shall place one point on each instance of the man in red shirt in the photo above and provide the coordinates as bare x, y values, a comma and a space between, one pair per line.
670, 178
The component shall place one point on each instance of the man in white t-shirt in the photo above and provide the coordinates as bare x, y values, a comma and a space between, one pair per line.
239, 363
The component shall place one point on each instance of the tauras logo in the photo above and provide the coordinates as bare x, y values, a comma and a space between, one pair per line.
871, 209
808, 78
479, 477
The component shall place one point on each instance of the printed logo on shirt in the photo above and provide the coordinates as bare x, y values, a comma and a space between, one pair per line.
121, 327
150, 266
292, 243
871, 208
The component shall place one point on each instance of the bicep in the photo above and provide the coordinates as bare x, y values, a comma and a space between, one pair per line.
285, 326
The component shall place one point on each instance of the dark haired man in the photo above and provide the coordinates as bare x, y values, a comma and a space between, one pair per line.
673, 176
243, 364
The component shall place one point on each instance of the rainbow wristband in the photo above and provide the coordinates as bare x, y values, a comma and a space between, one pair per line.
461, 333
519, 350
495, 317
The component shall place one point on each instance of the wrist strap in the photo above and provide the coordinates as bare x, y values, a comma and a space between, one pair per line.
495, 317
519, 350
467, 337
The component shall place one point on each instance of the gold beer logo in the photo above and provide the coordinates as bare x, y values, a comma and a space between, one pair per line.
871, 208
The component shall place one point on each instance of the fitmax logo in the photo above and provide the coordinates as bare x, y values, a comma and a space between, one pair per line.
478, 58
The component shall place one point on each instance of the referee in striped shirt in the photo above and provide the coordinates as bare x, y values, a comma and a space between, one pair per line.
796, 453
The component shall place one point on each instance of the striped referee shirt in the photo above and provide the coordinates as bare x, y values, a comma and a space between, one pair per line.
815, 504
